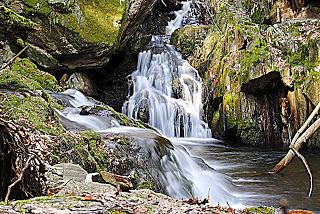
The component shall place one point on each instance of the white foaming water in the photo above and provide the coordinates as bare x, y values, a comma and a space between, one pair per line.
171, 91
181, 175
167, 91
77, 99
180, 14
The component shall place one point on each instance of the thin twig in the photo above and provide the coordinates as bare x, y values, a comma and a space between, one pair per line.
12, 60
304, 161
18, 180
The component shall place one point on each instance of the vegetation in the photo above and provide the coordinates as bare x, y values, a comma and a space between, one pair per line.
11, 19
25, 75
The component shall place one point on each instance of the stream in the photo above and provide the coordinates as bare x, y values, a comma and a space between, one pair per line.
166, 92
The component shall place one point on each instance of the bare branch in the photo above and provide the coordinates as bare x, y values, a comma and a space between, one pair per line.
304, 161
298, 140
20, 176
14, 58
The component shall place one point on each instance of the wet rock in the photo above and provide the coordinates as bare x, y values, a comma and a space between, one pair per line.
177, 88
81, 82
143, 111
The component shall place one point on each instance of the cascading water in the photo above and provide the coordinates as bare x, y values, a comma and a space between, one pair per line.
167, 93
167, 89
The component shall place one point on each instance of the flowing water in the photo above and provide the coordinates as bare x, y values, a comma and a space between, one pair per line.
166, 93
247, 167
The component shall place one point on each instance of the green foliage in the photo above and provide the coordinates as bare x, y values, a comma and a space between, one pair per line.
11, 19
24, 74
261, 210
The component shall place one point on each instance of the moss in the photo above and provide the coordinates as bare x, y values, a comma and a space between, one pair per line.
92, 140
11, 19
38, 6
35, 110
189, 38
258, 53
24, 74
98, 21
123, 119
261, 210
258, 15
116, 212
215, 118
145, 185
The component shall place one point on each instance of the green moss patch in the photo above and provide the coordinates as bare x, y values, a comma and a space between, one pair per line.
38, 6
11, 19
24, 74
35, 110
97, 21
258, 53
261, 210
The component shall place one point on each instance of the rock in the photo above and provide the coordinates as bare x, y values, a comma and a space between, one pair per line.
5, 53
141, 201
255, 70
116, 180
287, 81
143, 112
71, 171
81, 82
62, 5
44, 60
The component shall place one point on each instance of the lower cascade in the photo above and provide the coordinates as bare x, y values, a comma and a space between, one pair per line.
167, 94
180, 174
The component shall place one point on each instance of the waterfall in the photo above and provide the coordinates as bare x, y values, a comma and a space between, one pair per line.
167, 90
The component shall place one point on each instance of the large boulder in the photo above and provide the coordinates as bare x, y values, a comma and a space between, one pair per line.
78, 34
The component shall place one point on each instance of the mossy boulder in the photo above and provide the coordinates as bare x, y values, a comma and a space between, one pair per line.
76, 34
189, 38
24, 74
9, 19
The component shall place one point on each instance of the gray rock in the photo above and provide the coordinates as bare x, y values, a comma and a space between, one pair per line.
81, 82
71, 171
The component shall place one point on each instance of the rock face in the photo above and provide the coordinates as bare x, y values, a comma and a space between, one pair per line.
263, 81
79, 34
81, 82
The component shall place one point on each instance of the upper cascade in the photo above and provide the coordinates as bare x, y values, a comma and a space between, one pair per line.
167, 90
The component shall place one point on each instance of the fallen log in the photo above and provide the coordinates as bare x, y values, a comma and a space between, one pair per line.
298, 140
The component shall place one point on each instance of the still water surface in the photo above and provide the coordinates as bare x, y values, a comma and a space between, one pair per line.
248, 166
